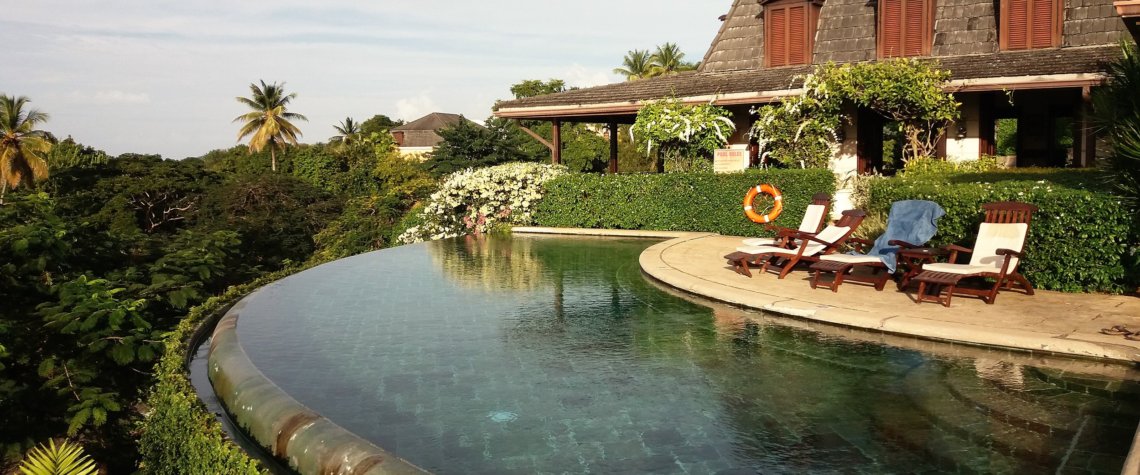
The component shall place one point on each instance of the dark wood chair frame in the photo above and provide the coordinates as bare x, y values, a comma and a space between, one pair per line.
782, 235
845, 271
785, 262
1001, 213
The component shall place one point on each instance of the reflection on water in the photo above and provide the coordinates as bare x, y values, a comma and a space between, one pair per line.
546, 354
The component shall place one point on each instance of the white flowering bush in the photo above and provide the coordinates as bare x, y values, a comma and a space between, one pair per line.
473, 201
684, 135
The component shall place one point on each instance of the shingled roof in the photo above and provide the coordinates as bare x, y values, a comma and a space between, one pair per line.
765, 84
422, 132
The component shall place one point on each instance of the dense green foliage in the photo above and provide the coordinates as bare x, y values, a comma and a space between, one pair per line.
467, 145
912, 93
675, 201
1077, 242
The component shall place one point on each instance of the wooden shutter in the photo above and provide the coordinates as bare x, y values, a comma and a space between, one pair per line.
777, 32
914, 19
1029, 24
797, 34
1017, 24
891, 32
905, 27
1041, 24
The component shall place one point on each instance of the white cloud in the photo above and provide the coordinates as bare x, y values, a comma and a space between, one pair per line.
119, 97
412, 108
580, 76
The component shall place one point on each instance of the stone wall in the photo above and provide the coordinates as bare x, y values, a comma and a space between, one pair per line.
1092, 22
846, 32
964, 27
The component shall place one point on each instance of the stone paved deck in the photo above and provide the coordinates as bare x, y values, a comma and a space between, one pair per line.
1050, 322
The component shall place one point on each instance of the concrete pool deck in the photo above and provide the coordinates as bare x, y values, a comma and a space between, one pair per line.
1052, 322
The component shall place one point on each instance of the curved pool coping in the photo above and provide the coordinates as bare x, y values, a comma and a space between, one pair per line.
309, 442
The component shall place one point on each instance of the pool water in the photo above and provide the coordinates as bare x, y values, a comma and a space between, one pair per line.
555, 354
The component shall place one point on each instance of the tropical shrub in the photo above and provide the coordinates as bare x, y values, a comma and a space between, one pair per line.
1077, 241
468, 145
675, 201
67, 458
682, 135
475, 200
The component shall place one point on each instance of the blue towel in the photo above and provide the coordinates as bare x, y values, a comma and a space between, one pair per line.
913, 221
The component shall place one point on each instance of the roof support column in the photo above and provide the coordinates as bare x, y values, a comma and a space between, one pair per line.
1084, 137
556, 150
613, 146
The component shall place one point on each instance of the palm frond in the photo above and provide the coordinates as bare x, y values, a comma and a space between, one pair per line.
66, 458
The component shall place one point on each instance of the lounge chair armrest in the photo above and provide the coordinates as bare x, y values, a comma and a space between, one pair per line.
780, 230
811, 237
957, 248
860, 244
1010, 252
902, 244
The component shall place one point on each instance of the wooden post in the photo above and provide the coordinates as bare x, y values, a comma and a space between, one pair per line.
556, 152
613, 146
1084, 138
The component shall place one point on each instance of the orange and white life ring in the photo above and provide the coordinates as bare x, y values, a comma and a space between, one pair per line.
777, 208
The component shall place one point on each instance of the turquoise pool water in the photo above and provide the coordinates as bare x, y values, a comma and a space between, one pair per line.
555, 354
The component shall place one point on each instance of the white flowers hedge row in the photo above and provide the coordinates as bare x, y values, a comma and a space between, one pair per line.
475, 200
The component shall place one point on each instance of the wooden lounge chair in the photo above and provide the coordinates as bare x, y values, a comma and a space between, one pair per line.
997, 251
808, 247
814, 218
915, 221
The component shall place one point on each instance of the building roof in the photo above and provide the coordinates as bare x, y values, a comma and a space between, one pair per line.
422, 132
1064, 67
432, 122
965, 42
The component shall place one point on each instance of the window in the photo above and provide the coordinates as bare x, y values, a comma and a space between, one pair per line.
906, 27
1028, 24
789, 32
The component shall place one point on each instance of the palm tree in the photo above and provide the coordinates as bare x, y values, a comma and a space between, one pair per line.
636, 65
669, 59
22, 147
348, 130
268, 122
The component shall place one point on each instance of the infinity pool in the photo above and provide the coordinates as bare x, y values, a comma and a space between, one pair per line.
554, 354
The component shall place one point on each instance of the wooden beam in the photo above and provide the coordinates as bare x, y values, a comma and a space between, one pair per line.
534, 134
556, 149
613, 147
1084, 143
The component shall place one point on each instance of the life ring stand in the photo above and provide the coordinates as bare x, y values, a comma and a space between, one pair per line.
777, 208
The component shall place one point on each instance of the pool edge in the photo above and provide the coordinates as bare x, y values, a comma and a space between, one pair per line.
289, 430
654, 266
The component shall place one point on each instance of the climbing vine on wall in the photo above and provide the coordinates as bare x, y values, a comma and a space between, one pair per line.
801, 129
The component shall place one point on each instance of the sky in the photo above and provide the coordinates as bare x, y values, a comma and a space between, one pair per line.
158, 76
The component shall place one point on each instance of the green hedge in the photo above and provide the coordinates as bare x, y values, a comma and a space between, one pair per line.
178, 434
675, 201
1078, 241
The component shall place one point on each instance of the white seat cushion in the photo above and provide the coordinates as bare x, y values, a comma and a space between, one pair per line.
754, 250
963, 269
829, 235
850, 259
994, 236
812, 217
760, 242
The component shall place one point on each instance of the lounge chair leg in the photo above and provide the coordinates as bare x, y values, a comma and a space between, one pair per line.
949, 295
787, 268
839, 274
1024, 283
921, 291
744, 268
815, 280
